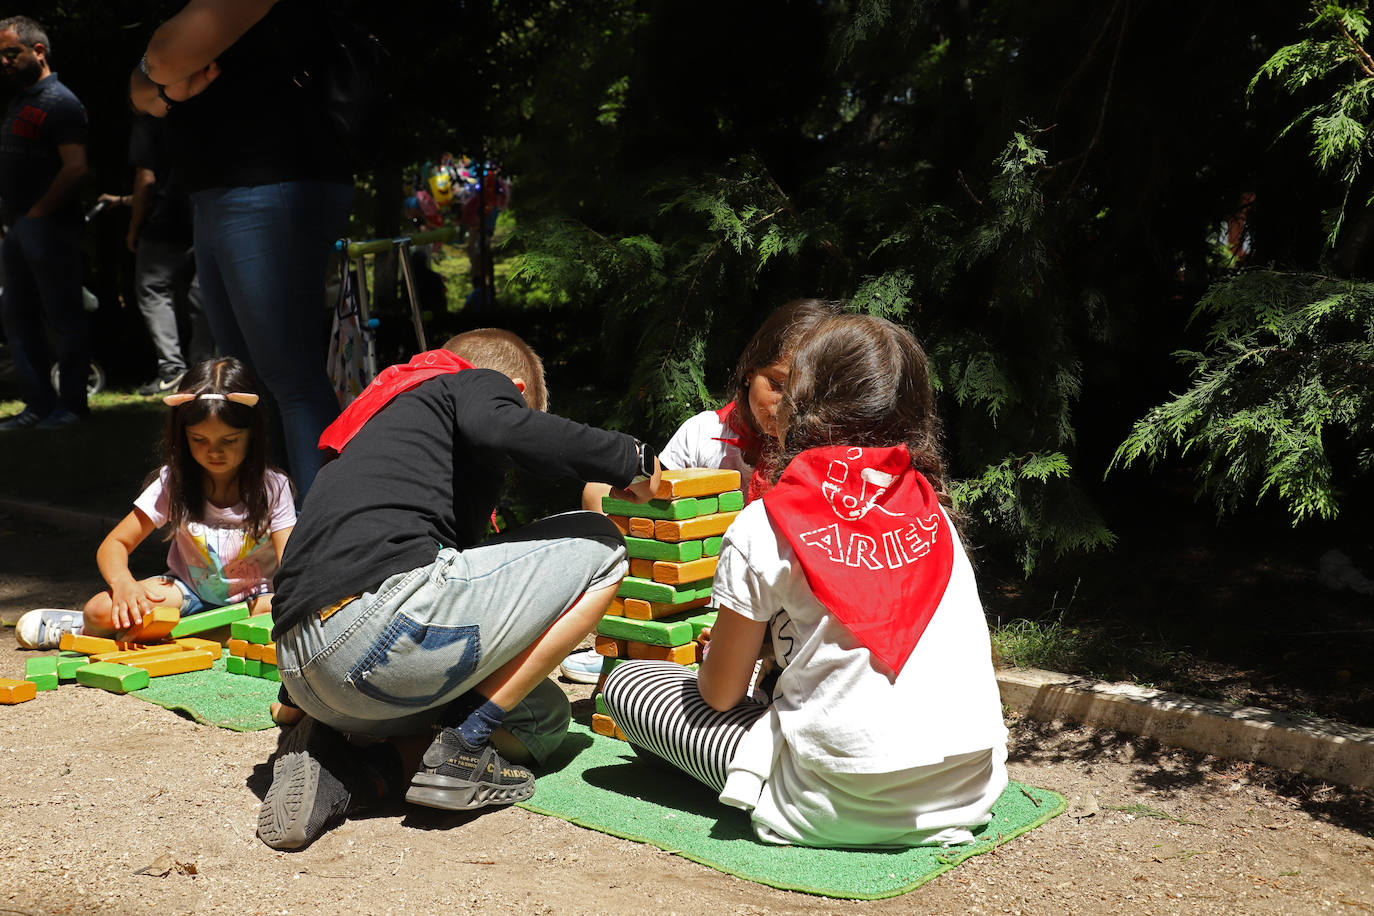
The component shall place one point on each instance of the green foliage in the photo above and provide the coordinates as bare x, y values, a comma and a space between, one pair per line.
1288, 367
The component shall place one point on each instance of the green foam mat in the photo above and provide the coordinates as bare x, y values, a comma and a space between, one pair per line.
215, 697
597, 782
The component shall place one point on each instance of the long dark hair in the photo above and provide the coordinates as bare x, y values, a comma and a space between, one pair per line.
186, 479
863, 381
775, 339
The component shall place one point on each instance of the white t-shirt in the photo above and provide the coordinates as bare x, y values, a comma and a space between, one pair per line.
841, 720
215, 556
697, 444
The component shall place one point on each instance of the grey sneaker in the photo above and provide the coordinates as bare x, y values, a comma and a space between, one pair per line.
24, 420
456, 776
43, 628
163, 384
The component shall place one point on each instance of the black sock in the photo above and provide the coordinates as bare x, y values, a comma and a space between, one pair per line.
476, 729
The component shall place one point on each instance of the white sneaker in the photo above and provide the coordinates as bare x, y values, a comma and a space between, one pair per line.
43, 628
582, 667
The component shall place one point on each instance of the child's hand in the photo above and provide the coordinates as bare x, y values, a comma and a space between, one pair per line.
128, 603
642, 489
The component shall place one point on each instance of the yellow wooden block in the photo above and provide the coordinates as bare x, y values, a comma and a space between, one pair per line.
691, 529
13, 691
604, 725
616, 608
696, 482
641, 527
615, 648
87, 645
620, 522
641, 568
122, 656
156, 626
175, 663
269, 654
677, 573
639, 609
238, 647
195, 642
253, 652
683, 655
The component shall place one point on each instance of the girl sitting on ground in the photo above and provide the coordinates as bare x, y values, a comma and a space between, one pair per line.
227, 512
885, 725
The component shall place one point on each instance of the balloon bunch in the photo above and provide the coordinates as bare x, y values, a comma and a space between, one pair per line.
450, 192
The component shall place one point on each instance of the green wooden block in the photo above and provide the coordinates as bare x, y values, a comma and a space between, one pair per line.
252, 667
699, 620
732, 501
112, 677
609, 664
256, 630
43, 681
708, 505
653, 632
268, 672
234, 664
711, 546
646, 549
42, 664
209, 620
601, 706
686, 507
649, 590
68, 663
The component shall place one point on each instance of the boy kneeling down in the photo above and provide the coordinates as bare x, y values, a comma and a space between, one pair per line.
394, 618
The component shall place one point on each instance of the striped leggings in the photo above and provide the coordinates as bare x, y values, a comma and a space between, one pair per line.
658, 707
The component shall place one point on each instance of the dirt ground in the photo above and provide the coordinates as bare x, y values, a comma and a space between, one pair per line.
111, 805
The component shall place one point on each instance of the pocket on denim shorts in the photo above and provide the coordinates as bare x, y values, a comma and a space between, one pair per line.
416, 664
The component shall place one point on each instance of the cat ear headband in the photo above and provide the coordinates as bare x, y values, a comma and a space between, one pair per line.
186, 397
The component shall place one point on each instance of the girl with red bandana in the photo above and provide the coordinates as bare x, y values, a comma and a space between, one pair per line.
885, 726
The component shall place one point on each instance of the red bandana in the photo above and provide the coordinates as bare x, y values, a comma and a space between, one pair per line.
390, 382
749, 443
872, 540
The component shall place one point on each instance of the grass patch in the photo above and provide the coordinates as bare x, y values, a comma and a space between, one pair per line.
1139, 810
1040, 644
97, 466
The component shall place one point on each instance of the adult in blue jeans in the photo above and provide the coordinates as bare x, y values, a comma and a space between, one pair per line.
271, 192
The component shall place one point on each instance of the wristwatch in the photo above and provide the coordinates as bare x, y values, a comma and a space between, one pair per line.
646, 455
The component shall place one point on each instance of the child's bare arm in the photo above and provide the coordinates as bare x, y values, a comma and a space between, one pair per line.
725, 673
130, 599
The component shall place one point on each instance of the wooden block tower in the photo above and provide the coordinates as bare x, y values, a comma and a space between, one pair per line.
673, 541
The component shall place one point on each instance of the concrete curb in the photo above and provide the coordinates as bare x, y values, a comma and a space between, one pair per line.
1317, 747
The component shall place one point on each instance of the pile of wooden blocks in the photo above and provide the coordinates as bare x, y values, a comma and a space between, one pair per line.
251, 649
162, 643
673, 541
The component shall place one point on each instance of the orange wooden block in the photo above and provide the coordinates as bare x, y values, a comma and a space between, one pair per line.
620, 522
269, 654
639, 609
641, 568
253, 652
616, 608
696, 482
641, 527
238, 647
156, 626
176, 662
615, 648
87, 645
683, 655
123, 655
677, 573
195, 642
691, 529
605, 725
12, 691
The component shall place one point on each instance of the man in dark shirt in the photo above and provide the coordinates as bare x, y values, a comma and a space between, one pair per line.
42, 162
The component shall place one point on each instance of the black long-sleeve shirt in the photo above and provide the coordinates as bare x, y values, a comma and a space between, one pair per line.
425, 472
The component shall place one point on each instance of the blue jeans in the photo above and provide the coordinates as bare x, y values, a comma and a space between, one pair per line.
390, 662
261, 255
42, 261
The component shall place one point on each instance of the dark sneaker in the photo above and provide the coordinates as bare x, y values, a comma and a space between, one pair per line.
23, 420
59, 419
163, 384
318, 779
457, 776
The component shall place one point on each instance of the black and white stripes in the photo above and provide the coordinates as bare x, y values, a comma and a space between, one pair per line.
658, 707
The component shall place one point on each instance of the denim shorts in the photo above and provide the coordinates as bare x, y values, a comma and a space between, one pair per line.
389, 662
190, 601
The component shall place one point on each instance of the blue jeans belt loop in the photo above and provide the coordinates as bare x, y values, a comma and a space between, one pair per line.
327, 612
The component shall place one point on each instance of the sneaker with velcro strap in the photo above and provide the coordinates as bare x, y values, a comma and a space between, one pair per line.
456, 776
